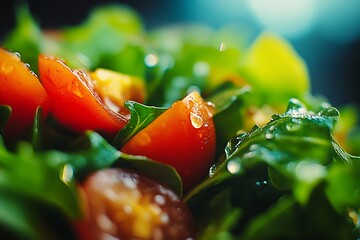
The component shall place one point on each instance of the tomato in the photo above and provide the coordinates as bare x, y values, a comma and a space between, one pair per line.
183, 136
22, 91
121, 204
73, 101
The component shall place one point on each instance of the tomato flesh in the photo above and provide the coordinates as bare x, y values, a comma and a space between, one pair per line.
183, 136
121, 204
73, 101
22, 91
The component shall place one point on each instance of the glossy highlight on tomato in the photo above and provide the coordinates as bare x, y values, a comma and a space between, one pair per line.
22, 91
73, 101
121, 204
183, 136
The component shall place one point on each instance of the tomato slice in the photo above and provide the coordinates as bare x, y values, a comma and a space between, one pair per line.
183, 136
73, 101
22, 91
122, 204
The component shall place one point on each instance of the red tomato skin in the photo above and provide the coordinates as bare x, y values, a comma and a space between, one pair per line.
183, 136
22, 91
73, 102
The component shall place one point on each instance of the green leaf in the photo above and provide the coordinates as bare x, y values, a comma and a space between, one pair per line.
30, 174
22, 217
141, 117
229, 103
91, 152
220, 221
287, 141
342, 187
160, 172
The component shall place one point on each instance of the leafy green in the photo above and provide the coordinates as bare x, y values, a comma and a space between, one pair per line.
28, 183
168, 177
91, 152
293, 156
141, 116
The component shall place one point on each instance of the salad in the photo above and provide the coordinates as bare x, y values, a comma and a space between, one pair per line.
113, 131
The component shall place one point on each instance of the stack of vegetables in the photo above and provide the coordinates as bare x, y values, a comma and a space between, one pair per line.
112, 131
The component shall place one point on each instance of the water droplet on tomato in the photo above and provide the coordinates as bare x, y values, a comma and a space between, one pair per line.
18, 55
210, 108
196, 120
7, 68
74, 88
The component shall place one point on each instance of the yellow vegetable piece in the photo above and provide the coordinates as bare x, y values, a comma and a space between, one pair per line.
271, 65
115, 88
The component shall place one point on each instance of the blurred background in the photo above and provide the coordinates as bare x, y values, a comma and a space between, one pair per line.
326, 33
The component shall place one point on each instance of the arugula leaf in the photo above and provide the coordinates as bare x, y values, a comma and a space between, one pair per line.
141, 116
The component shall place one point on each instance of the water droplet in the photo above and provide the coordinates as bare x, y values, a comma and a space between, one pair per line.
330, 112
292, 127
254, 147
18, 55
269, 135
275, 117
151, 60
272, 128
159, 199
27, 65
34, 74
213, 169
261, 185
233, 167
295, 105
196, 120
75, 88
210, 109
6, 67
222, 47
67, 173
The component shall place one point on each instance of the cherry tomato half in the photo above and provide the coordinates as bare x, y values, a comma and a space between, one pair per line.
183, 136
22, 91
121, 204
73, 101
